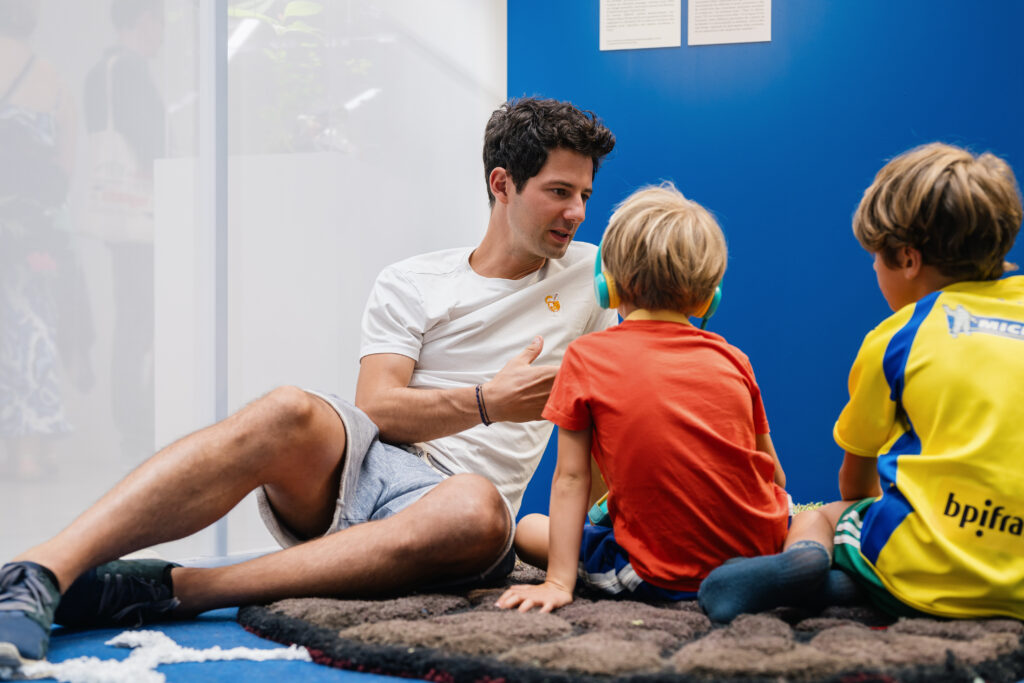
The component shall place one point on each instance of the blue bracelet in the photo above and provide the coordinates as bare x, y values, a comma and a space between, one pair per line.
481, 406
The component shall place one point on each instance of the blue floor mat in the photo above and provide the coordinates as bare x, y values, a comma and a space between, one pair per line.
215, 628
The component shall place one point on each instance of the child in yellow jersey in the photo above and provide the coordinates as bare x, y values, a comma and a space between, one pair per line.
932, 517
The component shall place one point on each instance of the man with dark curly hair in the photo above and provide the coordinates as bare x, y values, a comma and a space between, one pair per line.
419, 484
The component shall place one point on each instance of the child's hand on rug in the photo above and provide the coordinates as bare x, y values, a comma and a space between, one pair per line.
547, 596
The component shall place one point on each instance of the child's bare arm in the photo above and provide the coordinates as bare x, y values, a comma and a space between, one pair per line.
858, 478
570, 489
765, 445
597, 486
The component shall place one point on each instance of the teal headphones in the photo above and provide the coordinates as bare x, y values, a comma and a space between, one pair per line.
607, 293
604, 284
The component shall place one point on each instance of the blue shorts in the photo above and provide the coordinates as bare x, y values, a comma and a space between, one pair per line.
377, 481
604, 566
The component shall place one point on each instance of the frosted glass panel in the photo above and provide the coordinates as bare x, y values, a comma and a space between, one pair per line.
98, 94
354, 133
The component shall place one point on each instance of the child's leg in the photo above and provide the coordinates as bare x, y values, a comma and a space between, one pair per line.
839, 588
531, 542
818, 525
756, 584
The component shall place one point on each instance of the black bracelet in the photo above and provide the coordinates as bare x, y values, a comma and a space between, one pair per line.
482, 406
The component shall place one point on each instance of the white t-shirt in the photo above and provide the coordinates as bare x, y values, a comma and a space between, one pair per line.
461, 328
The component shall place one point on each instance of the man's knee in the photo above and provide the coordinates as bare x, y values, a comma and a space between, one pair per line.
290, 406
482, 516
289, 418
289, 422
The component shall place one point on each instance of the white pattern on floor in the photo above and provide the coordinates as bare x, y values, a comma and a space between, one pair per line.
149, 650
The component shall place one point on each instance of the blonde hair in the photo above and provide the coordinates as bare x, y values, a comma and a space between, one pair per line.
962, 212
663, 250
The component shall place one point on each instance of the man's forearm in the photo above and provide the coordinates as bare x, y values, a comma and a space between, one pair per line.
517, 393
407, 415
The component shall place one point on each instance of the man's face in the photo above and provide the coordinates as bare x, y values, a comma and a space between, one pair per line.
545, 212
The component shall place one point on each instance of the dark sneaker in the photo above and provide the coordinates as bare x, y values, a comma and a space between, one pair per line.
119, 593
28, 597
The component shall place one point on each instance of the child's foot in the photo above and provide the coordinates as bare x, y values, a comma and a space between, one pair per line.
756, 584
840, 589
29, 595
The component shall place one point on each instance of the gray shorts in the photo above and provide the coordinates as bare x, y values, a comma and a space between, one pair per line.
377, 481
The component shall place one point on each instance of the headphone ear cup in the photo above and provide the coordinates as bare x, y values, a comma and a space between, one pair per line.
605, 291
601, 291
604, 284
613, 291
710, 306
715, 301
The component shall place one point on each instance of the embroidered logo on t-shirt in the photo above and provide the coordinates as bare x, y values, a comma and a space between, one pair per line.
961, 322
552, 301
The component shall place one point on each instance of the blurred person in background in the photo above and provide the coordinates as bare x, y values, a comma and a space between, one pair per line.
125, 118
45, 325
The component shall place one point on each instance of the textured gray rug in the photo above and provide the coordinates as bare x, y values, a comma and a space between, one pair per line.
463, 637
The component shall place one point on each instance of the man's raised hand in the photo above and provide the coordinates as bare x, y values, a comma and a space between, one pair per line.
520, 389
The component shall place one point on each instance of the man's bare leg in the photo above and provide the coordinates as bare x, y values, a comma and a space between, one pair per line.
289, 440
458, 529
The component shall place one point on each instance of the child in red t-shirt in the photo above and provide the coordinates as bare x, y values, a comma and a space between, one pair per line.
673, 418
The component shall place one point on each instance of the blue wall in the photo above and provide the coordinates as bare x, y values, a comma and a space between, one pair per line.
779, 140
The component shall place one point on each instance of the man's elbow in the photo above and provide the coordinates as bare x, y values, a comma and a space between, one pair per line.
378, 413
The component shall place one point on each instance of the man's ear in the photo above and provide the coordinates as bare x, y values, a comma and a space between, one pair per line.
911, 262
501, 184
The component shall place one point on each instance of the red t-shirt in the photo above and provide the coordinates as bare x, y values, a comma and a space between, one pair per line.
674, 412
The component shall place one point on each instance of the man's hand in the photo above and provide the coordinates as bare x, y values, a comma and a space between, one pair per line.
519, 391
547, 596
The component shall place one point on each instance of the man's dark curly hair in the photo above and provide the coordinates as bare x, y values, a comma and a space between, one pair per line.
521, 132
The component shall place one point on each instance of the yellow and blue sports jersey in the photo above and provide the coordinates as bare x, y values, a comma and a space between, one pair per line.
937, 395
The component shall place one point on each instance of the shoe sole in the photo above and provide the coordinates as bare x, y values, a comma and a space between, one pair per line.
10, 658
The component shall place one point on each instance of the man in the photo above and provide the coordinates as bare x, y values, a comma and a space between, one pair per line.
357, 515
